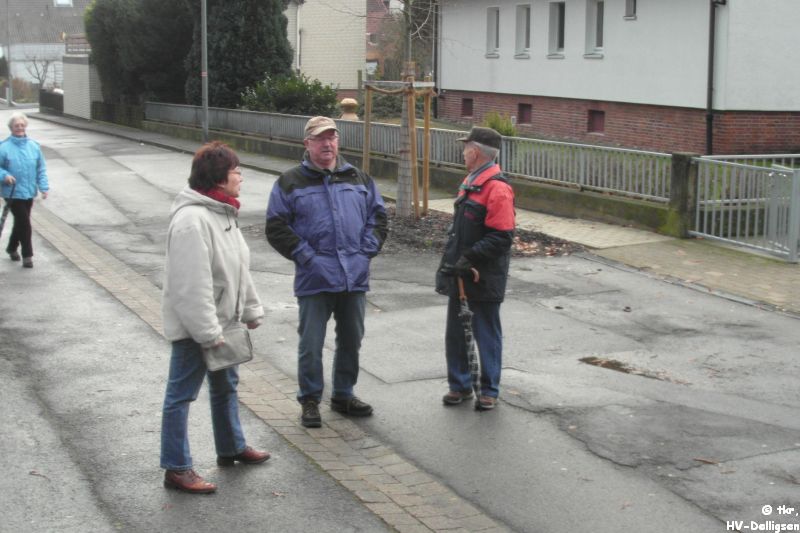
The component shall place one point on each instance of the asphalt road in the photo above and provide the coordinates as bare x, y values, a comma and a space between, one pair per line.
701, 427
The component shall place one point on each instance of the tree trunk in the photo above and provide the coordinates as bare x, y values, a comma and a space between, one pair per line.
404, 207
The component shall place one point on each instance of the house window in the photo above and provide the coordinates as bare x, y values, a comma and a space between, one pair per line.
630, 9
598, 25
525, 113
372, 38
556, 40
523, 31
372, 68
62, 3
597, 121
594, 27
466, 107
493, 32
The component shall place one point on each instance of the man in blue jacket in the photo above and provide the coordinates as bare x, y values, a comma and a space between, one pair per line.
327, 217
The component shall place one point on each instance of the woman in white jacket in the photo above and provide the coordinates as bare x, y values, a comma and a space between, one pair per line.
207, 287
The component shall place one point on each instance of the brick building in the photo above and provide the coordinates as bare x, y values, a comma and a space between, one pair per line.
626, 72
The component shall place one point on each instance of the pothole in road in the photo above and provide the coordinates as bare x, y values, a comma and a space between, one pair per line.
619, 366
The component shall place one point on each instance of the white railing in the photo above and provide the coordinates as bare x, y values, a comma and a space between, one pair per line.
628, 172
785, 160
754, 206
632, 173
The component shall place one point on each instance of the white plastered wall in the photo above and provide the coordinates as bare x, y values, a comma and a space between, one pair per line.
659, 58
332, 41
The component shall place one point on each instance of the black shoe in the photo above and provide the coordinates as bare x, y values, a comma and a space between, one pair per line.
14, 255
27, 262
351, 406
310, 417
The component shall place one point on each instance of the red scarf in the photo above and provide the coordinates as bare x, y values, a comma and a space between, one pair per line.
216, 194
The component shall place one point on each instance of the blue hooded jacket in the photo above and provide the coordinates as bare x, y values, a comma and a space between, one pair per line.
22, 158
330, 223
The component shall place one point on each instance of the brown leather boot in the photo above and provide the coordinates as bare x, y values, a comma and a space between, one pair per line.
249, 456
187, 481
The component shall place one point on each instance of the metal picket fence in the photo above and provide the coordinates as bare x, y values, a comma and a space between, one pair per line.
754, 205
631, 173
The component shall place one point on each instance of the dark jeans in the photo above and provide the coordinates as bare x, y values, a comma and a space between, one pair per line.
21, 232
347, 309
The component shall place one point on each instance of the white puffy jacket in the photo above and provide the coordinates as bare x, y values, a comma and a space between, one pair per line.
207, 282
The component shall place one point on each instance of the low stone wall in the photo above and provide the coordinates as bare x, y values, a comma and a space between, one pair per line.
125, 115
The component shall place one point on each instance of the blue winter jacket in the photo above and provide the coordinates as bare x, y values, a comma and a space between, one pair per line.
22, 158
330, 223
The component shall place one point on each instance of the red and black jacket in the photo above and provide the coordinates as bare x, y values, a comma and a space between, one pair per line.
483, 232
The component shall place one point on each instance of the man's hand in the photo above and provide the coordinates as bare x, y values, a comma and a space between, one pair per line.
462, 268
10, 180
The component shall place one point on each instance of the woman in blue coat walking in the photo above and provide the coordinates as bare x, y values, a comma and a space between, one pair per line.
23, 175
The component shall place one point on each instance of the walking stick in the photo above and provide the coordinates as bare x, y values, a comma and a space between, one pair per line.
6, 208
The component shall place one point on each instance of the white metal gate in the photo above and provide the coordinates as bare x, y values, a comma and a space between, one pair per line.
756, 206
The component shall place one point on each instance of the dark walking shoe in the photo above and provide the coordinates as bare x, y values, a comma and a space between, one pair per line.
14, 255
27, 262
187, 481
455, 397
351, 406
310, 417
249, 456
485, 403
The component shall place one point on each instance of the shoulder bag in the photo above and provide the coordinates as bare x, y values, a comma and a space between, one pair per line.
237, 349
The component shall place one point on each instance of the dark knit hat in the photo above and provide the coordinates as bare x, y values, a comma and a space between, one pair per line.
485, 136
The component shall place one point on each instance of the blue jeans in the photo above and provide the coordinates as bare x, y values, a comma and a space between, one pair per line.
347, 309
488, 334
186, 373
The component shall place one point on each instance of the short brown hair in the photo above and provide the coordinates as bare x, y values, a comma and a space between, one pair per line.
211, 164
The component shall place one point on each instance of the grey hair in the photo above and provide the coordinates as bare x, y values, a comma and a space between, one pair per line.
488, 151
18, 115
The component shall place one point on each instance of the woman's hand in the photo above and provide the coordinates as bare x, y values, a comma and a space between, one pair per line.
10, 180
219, 342
44, 195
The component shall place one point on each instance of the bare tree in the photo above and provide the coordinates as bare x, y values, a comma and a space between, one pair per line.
38, 68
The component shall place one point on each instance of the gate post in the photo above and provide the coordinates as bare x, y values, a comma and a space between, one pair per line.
794, 216
682, 196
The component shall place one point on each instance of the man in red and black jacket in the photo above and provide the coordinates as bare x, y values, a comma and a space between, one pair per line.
479, 251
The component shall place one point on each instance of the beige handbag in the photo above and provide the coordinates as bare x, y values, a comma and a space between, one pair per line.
237, 349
